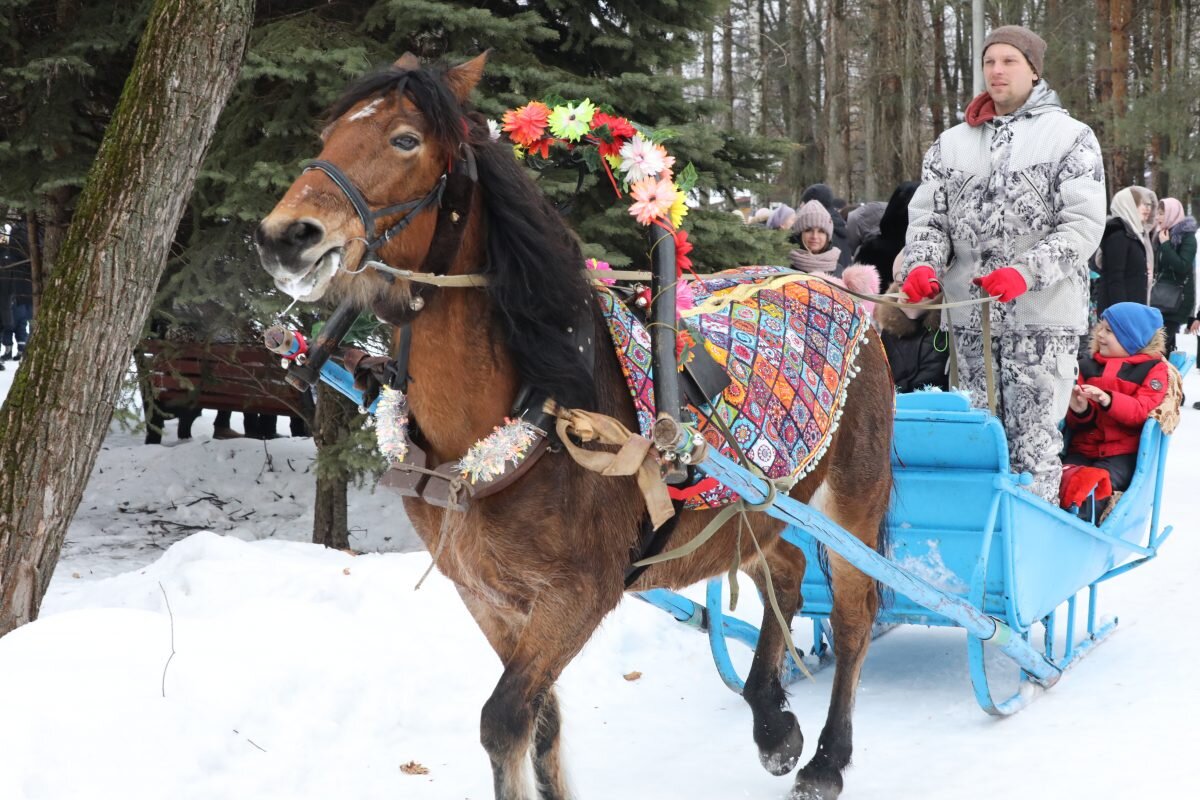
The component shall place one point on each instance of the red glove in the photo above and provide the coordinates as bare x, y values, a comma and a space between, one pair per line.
921, 284
1006, 284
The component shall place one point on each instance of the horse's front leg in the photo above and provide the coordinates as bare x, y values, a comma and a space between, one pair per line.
776, 731
523, 709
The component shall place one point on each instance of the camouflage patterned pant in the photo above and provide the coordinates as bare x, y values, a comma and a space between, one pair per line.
1034, 375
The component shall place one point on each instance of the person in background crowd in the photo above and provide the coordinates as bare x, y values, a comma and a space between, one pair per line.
1121, 381
824, 195
1010, 207
917, 350
781, 218
16, 292
818, 256
863, 224
1125, 261
760, 217
881, 251
1175, 244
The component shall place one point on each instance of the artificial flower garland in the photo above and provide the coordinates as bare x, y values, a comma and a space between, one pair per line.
644, 167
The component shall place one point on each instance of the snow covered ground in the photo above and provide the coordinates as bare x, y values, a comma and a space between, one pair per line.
193, 645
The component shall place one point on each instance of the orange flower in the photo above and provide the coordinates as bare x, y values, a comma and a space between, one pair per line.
527, 124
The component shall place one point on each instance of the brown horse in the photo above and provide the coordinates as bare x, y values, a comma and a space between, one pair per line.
540, 563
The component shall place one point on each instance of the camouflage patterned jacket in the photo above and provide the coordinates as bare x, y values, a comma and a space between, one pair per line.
1024, 190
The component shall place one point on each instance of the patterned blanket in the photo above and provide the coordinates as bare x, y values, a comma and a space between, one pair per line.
788, 343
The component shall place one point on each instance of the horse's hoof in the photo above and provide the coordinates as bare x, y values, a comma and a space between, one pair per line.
782, 759
810, 787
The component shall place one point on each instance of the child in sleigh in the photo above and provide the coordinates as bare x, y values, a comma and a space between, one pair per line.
1123, 379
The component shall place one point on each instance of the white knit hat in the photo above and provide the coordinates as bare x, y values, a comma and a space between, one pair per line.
813, 215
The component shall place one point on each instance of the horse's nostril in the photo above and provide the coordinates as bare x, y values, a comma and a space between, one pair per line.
303, 234
261, 237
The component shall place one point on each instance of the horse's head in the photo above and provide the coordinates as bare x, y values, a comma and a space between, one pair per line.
374, 190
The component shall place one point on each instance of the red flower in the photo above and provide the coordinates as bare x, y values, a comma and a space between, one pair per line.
527, 124
610, 141
541, 147
682, 248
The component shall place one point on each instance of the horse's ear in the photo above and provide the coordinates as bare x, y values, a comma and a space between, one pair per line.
463, 78
407, 61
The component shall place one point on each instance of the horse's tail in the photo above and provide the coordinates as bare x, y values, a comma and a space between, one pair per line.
883, 546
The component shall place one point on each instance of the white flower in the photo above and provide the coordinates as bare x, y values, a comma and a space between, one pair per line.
493, 130
642, 158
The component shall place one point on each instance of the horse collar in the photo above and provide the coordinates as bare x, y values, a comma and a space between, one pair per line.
491, 464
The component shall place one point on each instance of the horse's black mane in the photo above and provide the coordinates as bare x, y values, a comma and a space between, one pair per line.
537, 284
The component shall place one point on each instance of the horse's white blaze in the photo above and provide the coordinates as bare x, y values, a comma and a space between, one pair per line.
366, 111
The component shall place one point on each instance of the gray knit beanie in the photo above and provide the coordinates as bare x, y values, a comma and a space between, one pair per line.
813, 215
1025, 40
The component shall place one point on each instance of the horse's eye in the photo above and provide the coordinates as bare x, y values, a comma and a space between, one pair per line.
405, 141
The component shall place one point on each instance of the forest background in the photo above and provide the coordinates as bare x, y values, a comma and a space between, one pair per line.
765, 97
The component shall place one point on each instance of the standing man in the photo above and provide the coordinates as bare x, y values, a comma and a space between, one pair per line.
1011, 205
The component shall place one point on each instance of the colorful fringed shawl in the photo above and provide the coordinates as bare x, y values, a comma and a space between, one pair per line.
788, 343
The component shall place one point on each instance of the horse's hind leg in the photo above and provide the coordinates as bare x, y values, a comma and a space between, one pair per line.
776, 731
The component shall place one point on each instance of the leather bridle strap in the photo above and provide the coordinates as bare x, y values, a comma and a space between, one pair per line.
369, 218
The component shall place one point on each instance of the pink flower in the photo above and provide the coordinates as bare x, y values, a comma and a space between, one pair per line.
597, 266
654, 199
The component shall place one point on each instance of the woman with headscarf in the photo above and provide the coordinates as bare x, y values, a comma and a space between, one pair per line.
1126, 257
1175, 242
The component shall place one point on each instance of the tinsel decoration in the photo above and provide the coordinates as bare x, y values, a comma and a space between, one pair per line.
511, 441
391, 424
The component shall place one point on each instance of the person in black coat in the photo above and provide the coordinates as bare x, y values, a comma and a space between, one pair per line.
824, 195
880, 251
1125, 260
917, 351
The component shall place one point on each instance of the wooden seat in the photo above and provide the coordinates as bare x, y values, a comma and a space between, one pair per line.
182, 377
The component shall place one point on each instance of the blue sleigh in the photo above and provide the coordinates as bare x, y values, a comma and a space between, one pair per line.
995, 561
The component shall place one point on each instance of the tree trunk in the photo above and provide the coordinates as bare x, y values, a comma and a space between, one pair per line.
330, 428
764, 52
836, 113
941, 72
912, 71
58, 411
1119, 19
709, 73
727, 66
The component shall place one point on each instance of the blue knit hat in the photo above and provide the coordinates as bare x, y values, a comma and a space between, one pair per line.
1133, 324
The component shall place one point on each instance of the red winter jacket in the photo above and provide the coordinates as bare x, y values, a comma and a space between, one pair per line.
1137, 384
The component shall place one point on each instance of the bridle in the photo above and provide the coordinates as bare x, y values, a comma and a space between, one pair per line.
452, 194
370, 219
